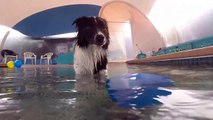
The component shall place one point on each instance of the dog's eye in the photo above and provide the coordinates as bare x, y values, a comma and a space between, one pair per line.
87, 27
105, 30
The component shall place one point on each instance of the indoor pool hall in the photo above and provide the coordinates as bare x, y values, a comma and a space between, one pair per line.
106, 60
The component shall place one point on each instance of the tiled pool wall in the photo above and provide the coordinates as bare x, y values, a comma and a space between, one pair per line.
190, 62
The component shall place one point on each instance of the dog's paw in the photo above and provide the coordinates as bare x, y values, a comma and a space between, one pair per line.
101, 77
104, 73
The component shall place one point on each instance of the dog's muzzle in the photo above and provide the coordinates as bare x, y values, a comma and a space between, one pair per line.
100, 39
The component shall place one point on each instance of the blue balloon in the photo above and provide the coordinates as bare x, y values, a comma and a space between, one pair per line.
18, 63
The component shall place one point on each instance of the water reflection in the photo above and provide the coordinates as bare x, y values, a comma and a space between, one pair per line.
38, 93
55, 93
138, 98
138, 90
187, 104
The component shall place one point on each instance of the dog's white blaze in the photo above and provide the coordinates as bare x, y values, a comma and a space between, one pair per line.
85, 59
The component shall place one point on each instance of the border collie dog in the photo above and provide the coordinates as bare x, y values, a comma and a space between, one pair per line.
90, 49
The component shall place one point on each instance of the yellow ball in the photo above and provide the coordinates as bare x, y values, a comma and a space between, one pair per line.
10, 64
9, 90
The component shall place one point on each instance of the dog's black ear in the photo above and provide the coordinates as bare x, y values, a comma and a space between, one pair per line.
102, 21
80, 21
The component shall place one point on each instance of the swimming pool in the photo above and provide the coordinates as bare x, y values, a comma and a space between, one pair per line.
55, 93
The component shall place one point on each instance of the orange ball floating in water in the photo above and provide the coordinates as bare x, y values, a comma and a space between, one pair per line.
10, 64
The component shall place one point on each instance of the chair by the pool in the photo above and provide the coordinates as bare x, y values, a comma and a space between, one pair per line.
31, 56
47, 57
8, 55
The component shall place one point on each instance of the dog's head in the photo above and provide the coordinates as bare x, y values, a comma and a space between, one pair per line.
92, 30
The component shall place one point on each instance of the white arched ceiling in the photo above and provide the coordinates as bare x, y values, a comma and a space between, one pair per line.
143, 32
13, 11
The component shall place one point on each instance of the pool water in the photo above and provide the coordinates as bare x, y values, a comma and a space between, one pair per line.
56, 93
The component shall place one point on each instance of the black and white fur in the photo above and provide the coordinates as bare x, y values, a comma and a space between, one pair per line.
90, 49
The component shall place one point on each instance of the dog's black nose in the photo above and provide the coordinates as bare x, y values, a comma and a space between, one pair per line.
100, 39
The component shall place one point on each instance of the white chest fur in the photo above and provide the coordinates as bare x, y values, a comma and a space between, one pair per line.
85, 59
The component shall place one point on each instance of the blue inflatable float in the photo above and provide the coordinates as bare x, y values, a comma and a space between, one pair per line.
138, 90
